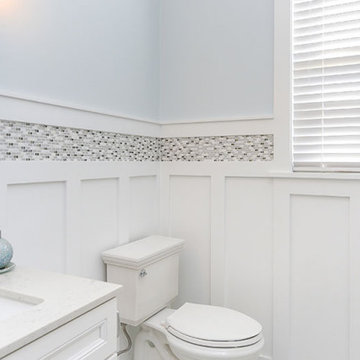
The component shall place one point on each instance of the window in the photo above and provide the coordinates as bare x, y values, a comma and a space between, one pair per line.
326, 85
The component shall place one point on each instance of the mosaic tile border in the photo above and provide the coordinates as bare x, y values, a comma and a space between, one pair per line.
218, 148
28, 141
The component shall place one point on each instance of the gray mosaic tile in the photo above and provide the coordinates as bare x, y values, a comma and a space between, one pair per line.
26, 141
218, 148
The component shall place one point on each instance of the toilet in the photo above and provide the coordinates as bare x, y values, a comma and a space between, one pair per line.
148, 269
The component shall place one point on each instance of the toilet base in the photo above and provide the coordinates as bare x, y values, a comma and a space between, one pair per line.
152, 335
149, 338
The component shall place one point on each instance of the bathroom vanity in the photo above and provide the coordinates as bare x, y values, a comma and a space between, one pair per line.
55, 316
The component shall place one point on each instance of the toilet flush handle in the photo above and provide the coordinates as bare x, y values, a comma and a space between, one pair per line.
143, 273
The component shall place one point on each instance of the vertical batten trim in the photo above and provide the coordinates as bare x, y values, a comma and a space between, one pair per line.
72, 225
158, 204
281, 305
354, 251
217, 279
124, 201
164, 180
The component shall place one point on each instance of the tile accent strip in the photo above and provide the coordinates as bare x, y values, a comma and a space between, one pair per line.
218, 148
27, 141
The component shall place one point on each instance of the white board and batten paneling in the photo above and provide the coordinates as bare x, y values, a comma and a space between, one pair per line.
99, 201
227, 258
316, 269
190, 219
144, 206
284, 250
61, 216
248, 249
38, 224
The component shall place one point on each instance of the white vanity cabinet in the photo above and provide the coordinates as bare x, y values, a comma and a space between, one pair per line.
91, 336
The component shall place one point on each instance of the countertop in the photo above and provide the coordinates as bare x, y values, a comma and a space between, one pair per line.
65, 297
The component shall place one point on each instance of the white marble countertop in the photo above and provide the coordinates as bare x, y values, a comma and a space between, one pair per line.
65, 297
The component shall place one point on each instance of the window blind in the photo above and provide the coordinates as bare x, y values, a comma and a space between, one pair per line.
326, 84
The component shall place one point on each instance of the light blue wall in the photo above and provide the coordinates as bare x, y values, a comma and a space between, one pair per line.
167, 60
216, 59
88, 53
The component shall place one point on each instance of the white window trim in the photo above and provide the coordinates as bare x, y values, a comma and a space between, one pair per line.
282, 86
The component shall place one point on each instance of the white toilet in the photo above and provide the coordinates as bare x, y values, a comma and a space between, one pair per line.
148, 269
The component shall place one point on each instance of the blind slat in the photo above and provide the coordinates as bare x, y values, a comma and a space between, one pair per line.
326, 29
325, 97
319, 4
327, 79
324, 11
307, 74
331, 123
316, 105
327, 54
318, 64
326, 19
352, 40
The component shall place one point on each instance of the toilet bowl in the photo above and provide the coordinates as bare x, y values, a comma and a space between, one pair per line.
148, 270
197, 331
185, 334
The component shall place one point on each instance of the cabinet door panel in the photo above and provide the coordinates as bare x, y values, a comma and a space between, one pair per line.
91, 336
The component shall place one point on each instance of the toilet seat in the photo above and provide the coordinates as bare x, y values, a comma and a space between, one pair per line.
213, 327
184, 350
215, 344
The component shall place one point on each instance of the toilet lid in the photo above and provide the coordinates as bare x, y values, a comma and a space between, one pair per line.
213, 326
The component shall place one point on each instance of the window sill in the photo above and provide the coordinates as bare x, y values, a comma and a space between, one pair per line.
316, 175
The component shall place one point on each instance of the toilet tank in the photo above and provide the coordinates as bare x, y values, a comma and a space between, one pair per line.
148, 269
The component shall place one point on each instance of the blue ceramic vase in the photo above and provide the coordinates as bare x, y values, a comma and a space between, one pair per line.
6, 252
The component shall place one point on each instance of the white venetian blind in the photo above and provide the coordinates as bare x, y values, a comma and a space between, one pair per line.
326, 84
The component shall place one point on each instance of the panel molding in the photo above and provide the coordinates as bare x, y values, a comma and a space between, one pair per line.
282, 186
283, 191
144, 206
35, 222
217, 262
190, 219
72, 174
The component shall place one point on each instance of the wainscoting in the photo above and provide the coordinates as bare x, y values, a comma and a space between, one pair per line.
60, 216
316, 269
284, 250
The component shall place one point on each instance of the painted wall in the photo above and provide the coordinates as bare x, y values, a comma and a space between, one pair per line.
183, 60
92, 54
216, 59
